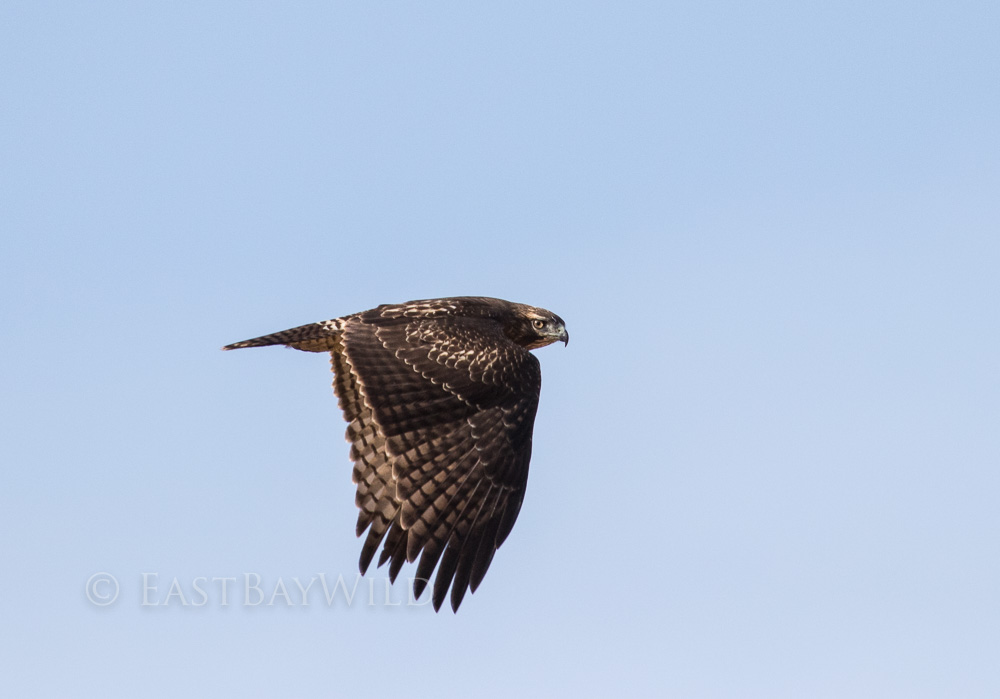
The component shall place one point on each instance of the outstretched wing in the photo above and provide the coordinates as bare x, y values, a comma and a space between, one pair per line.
440, 406
441, 410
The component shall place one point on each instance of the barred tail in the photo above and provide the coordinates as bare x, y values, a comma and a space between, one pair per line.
315, 337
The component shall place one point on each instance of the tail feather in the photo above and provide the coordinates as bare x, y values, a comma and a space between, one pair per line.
315, 337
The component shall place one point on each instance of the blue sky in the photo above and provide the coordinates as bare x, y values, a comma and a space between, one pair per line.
766, 466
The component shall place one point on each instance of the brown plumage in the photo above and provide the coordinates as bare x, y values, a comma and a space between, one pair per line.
440, 398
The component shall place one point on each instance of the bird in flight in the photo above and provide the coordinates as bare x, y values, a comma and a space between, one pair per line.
440, 398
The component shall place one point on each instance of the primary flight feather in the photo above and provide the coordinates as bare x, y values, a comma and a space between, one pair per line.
440, 398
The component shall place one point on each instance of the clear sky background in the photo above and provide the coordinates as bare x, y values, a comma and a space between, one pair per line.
765, 466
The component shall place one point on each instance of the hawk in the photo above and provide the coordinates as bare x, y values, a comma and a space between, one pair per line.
440, 398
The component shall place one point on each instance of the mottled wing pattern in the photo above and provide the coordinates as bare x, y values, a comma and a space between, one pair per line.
372, 470
440, 407
445, 416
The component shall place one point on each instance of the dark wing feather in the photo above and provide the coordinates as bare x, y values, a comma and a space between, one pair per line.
454, 402
372, 474
440, 407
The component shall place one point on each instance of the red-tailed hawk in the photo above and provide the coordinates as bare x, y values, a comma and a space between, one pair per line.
440, 399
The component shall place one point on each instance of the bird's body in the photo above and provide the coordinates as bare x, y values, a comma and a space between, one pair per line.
440, 398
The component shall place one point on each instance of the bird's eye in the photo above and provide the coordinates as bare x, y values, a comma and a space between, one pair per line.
539, 324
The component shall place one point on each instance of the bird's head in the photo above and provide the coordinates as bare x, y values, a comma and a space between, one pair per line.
535, 327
